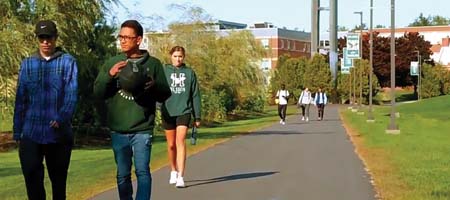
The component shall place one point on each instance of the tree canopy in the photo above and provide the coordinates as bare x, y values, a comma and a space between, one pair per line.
226, 64
83, 32
406, 47
430, 21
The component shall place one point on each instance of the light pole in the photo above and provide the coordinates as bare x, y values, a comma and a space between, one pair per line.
360, 13
370, 117
392, 128
420, 75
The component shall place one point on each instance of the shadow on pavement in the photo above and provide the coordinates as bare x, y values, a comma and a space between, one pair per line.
229, 178
288, 132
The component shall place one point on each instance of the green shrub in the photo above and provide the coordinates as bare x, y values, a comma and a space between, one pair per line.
213, 106
430, 85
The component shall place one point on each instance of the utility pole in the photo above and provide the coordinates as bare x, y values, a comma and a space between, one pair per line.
370, 117
420, 75
333, 40
392, 128
315, 18
360, 13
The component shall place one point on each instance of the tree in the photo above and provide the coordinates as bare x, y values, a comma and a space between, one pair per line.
226, 65
405, 53
289, 71
358, 27
342, 28
430, 21
344, 81
298, 73
83, 32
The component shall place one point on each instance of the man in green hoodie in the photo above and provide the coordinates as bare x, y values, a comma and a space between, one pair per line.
130, 84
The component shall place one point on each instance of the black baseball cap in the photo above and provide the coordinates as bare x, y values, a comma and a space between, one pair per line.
46, 27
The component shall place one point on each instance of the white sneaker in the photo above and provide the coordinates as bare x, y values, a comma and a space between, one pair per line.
173, 177
281, 121
303, 118
307, 119
180, 182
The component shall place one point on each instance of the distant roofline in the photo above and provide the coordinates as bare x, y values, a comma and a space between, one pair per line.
413, 29
231, 23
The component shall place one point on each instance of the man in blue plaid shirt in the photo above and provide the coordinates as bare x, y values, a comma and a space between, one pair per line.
45, 103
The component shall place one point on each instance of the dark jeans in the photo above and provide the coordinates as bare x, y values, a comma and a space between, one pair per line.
321, 109
127, 147
57, 159
282, 111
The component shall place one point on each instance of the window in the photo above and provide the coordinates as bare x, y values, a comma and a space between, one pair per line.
265, 43
266, 64
281, 46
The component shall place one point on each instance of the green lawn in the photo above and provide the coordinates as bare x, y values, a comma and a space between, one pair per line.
92, 170
414, 164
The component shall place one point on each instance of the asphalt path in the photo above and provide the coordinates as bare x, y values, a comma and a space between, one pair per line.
312, 160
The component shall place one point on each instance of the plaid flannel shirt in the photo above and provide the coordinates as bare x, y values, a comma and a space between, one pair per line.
46, 91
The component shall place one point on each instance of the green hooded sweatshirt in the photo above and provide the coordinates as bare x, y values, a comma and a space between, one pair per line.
185, 96
123, 113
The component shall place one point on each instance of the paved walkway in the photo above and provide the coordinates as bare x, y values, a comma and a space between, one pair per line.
301, 160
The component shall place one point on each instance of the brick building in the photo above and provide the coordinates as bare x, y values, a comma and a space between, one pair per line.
277, 41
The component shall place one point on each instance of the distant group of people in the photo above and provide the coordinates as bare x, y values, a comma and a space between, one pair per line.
129, 85
304, 101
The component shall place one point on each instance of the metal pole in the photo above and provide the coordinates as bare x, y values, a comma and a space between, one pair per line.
333, 40
354, 82
314, 26
350, 98
360, 64
370, 117
420, 75
392, 128
360, 13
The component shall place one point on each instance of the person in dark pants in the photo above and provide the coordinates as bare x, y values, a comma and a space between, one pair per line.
45, 102
320, 99
282, 96
129, 85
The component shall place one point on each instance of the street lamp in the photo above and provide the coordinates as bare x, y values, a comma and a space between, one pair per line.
370, 117
392, 128
420, 74
360, 13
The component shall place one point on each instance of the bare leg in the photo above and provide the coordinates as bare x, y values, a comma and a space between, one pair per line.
171, 148
181, 148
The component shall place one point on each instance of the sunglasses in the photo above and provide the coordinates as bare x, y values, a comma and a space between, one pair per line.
45, 37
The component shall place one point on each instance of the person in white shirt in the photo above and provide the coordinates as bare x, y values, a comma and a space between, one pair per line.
282, 96
320, 99
304, 102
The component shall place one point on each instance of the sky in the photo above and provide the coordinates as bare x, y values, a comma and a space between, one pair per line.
292, 14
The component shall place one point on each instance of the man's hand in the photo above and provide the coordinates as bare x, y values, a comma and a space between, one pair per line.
54, 124
117, 67
149, 84
197, 124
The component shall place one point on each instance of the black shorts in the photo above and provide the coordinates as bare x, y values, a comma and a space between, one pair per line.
170, 123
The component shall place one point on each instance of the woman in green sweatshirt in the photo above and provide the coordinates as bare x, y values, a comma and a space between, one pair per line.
177, 110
